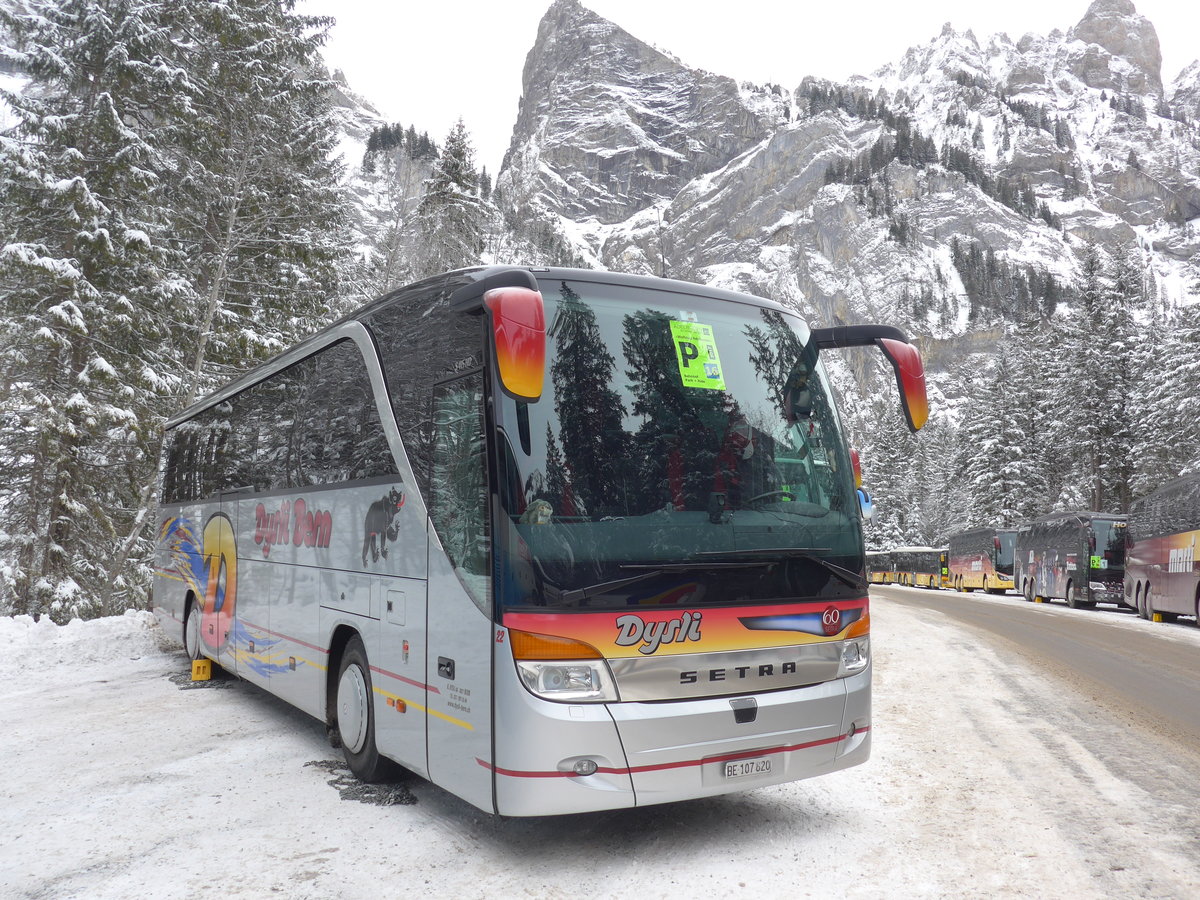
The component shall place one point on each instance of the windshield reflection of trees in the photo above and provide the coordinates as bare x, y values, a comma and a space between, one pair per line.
695, 458
695, 448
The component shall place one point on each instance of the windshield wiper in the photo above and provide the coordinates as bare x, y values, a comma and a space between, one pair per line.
853, 579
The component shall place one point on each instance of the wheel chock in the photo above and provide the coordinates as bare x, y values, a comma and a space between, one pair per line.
201, 669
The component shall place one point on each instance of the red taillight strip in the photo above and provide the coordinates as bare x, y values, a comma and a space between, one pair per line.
658, 767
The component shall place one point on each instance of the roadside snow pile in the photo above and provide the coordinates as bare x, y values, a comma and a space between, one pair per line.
26, 645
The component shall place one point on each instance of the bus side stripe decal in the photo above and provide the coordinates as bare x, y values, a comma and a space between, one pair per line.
658, 767
285, 637
417, 684
425, 709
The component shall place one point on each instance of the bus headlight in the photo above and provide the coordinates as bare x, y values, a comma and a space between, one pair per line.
575, 681
856, 653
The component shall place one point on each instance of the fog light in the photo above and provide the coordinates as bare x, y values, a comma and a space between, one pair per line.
585, 767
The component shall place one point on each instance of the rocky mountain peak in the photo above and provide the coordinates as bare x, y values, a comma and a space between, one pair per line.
608, 125
1122, 50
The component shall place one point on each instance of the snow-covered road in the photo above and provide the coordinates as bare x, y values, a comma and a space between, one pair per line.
121, 779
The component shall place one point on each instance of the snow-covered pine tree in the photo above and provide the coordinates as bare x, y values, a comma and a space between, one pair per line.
1167, 437
1097, 383
450, 219
1126, 299
394, 184
888, 474
168, 202
1020, 358
260, 208
993, 462
88, 282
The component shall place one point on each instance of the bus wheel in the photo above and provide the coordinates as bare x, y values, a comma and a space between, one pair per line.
1143, 604
1028, 592
191, 632
356, 715
1071, 599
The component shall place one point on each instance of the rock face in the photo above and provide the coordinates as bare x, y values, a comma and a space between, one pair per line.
608, 125
1121, 52
851, 201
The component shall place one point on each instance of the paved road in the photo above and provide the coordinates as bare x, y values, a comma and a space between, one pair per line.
1147, 675
1126, 690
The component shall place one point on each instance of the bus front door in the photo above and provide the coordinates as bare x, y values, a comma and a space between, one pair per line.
461, 631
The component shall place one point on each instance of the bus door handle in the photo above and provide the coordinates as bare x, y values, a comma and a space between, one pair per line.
445, 668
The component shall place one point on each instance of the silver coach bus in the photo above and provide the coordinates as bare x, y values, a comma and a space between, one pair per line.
555, 540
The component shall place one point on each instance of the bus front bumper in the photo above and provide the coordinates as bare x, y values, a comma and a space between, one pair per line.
661, 752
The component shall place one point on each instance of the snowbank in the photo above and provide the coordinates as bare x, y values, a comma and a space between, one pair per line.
28, 646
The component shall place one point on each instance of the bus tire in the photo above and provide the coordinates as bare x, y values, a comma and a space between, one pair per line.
1143, 603
1028, 592
1072, 600
191, 631
356, 715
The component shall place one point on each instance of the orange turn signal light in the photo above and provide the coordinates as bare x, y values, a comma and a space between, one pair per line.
529, 646
861, 628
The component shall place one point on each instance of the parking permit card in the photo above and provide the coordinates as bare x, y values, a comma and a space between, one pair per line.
696, 353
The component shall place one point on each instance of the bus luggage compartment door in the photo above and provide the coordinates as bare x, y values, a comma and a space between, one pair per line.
693, 748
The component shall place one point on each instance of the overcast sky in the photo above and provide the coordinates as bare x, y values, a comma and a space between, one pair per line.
427, 63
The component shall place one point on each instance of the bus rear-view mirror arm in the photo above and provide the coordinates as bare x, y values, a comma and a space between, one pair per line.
904, 357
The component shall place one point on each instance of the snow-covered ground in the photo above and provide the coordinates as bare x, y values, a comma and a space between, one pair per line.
121, 779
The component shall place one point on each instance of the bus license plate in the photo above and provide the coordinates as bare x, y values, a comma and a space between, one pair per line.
760, 765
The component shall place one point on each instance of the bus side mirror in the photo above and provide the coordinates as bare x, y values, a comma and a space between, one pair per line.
518, 321
910, 379
866, 504
517, 328
905, 360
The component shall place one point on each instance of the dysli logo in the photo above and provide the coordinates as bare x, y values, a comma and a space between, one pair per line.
651, 635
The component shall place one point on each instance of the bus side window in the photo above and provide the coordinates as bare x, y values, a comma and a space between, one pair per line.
458, 483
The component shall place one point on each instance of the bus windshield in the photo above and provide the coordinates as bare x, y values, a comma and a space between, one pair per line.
1110, 543
685, 450
1006, 544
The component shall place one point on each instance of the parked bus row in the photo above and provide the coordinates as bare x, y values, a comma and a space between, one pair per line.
911, 566
1145, 561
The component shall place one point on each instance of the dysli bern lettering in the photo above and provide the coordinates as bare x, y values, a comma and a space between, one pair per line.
651, 635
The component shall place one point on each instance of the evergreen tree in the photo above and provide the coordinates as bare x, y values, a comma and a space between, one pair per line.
450, 217
262, 209
1166, 439
168, 204
88, 283
1099, 345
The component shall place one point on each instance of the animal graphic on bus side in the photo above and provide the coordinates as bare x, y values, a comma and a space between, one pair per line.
380, 526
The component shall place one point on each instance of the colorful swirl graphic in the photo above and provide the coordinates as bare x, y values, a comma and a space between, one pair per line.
220, 592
